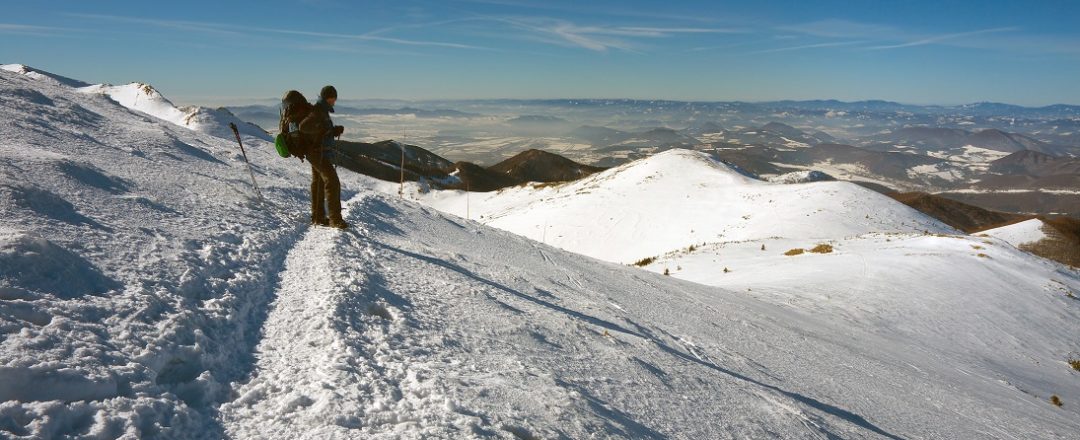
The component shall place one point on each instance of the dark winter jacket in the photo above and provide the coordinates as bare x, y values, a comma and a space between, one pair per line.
319, 127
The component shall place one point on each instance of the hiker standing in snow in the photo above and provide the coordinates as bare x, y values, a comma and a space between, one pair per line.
325, 186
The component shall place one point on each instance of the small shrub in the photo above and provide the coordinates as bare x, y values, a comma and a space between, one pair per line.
794, 252
692, 248
1056, 400
982, 255
976, 247
644, 261
667, 272
1075, 363
822, 249
726, 270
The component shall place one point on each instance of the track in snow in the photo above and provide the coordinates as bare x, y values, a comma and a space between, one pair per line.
377, 333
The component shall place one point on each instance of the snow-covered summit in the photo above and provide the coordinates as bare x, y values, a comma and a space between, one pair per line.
141, 97
42, 75
146, 99
676, 199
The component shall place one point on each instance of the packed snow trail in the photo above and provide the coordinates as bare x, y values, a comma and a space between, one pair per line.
332, 358
416, 325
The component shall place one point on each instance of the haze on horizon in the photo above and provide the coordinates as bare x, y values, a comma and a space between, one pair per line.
920, 52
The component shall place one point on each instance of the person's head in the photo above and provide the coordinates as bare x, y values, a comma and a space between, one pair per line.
328, 94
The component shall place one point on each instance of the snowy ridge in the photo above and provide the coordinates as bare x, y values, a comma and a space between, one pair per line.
146, 99
679, 198
41, 75
1016, 234
189, 311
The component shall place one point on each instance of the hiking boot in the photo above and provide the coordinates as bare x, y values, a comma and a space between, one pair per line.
320, 222
338, 223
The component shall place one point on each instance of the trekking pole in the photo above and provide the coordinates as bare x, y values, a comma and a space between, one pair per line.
250, 171
401, 183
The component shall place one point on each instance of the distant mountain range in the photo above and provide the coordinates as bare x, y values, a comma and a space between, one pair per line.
959, 151
383, 160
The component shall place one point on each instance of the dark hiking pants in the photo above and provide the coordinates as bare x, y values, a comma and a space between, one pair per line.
325, 189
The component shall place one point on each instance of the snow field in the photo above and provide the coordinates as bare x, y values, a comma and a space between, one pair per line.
184, 309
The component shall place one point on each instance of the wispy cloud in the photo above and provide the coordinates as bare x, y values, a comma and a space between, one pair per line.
810, 46
32, 30
190, 26
598, 38
941, 38
885, 37
835, 28
565, 33
662, 31
367, 37
234, 30
586, 8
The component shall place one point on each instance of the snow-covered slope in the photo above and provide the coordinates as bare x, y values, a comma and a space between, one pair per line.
184, 310
141, 97
42, 75
676, 199
144, 98
1016, 234
135, 264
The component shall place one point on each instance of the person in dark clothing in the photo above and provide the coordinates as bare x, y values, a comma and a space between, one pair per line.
325, 186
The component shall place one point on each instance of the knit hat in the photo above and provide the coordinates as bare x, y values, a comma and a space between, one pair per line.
328, 92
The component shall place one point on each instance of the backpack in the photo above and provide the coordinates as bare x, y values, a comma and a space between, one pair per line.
289, 141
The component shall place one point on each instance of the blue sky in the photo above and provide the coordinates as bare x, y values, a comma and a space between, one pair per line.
918, 51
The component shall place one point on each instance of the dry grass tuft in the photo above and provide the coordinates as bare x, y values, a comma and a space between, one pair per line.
794, 252
1056, 400
644, 261
822, 249
982, 255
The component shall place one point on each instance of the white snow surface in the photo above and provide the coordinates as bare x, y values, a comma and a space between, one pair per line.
676, 199
145, 293
146, 99
1016, 234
